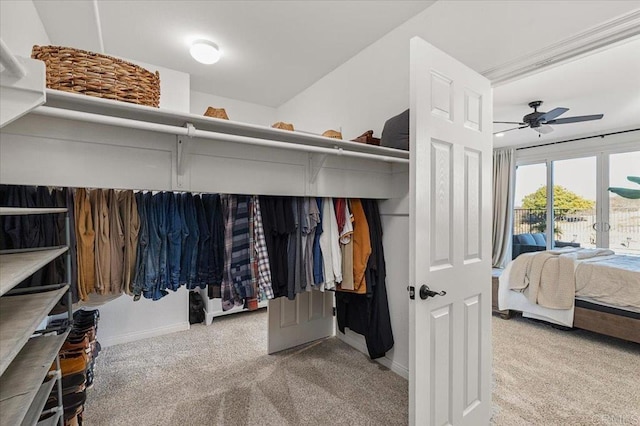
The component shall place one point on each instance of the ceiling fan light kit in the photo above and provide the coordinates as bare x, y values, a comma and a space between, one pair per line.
541, 121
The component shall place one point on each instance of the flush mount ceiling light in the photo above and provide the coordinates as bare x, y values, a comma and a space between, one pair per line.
205, 52
499, 135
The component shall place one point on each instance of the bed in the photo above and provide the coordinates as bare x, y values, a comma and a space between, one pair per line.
590, 289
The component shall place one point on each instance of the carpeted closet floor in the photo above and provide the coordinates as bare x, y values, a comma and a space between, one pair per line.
220, 375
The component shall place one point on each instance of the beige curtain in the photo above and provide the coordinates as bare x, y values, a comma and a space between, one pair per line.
503, 193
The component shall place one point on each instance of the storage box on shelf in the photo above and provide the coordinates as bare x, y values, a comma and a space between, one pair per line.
25, 361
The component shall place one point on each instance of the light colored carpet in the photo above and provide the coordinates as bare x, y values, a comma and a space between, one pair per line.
220, 375
546, 376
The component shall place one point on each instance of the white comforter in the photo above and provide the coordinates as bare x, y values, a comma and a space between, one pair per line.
614, 280
611, 279
548, 277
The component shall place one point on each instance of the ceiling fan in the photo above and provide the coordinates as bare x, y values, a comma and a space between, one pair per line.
540, 121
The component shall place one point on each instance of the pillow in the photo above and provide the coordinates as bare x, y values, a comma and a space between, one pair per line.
540, 239
395, 133
526, 239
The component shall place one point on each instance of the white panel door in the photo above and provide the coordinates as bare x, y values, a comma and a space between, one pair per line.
450, 228
293, 322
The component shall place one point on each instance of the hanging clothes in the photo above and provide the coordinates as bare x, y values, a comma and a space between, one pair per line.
214, 218
261, 253
240, 251
368, 314
318, 272
346, 246
128, 207
102, 247
295, 260
190, 239
227, 288
174, 241
116, 243
309, 234
330, 247
86, 244
361, 246
139, 286
278, 221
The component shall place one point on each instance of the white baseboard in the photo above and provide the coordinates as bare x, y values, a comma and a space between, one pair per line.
400, 370
145, 334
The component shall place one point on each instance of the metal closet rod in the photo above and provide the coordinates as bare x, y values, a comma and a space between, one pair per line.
205, 134
10, 62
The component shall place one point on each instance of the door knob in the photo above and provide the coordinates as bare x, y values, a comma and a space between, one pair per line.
426, 292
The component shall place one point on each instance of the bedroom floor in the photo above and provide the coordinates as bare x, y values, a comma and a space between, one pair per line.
220, 375
546, 376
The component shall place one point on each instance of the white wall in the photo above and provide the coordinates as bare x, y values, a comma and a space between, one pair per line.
122, 320
21, 27
244, 112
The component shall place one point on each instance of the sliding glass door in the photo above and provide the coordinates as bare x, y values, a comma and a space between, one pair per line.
622, 227
574, 200
583, 212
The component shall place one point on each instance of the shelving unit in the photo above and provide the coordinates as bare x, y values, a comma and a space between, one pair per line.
38, 403
25, 361
16, 267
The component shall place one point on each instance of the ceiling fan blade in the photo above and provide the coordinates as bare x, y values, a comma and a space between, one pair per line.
544, 129
556, 112
508, 122
575, 119
508, 130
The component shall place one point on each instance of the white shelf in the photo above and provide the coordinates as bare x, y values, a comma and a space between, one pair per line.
13, 211
32, 416
18, 266
106, 107
21, 381
21, 315
51, 421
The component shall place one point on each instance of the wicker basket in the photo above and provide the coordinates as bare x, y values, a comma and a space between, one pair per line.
93, 74
216, 113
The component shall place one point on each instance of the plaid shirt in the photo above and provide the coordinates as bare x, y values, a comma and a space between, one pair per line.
260, 244
227, 289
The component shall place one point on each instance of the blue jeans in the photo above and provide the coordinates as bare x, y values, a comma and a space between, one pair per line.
204, 246
190, 238
155, 265
174, 240
139, 280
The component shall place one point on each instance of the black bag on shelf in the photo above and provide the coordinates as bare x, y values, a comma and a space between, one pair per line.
196, 308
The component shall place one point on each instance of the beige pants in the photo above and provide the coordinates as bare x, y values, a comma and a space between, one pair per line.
100, 213
116, 243
131, 226
85, 236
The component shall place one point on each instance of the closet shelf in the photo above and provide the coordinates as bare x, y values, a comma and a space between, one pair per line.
33, 414
21, 381
21, 315
86, 108
15, 211
17, 266
51, 421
